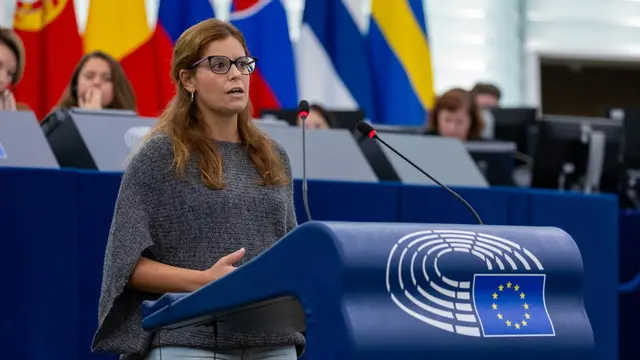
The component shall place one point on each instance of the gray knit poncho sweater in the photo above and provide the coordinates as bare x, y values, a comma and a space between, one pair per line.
184, 224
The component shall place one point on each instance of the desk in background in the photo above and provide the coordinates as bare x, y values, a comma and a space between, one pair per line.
22, 143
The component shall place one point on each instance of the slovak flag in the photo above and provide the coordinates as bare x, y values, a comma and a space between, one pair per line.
174, 17
265, 28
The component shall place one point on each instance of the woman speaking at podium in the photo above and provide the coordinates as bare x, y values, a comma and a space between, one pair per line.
204, 190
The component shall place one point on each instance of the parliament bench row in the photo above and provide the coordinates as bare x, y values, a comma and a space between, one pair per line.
56, 223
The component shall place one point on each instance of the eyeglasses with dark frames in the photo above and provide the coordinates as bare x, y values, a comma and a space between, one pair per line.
222, 64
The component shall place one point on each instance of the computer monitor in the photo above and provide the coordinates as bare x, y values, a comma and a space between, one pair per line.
22, 143
561, 148
434, 154
630, 182
338, 119
97, 140
495, 160
631, 139
516, 125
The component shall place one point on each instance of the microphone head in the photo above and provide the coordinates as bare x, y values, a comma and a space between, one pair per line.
303, 109
366, 129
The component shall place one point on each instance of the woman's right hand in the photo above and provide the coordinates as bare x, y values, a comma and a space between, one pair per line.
92, 99
7, 100
223, 266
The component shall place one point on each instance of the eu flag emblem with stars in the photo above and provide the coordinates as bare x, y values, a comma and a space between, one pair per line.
3, 154
511, 305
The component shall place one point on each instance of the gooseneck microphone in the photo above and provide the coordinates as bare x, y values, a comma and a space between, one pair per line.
368, 131
303, 112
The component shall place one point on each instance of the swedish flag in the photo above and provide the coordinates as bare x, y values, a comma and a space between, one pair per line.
512, 305
400, 58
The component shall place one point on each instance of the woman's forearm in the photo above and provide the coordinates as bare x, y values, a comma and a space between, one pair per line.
158, 278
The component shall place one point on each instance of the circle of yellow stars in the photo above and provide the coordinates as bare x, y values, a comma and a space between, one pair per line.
523, 296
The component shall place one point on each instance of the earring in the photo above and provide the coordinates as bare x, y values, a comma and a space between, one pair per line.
192, 94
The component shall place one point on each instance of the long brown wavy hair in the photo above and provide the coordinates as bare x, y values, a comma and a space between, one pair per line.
182, 120
123, 95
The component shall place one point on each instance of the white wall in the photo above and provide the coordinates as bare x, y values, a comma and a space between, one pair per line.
600, 29
476, 40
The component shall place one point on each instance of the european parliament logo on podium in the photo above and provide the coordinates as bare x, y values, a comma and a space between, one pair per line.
505, 297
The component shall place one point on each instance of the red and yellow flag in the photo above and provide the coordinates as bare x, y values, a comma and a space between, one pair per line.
120, 28
48, 28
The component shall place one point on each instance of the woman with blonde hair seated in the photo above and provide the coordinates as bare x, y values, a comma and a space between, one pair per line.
98, 82
12, 62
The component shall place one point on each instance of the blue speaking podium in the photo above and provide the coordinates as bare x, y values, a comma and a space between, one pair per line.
403, 291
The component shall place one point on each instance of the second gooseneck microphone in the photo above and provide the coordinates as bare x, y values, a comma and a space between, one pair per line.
303, 112
368, 131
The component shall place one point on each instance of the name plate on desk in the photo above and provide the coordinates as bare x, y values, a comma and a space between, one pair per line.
332, 154
445, 159
98, 140
22, 143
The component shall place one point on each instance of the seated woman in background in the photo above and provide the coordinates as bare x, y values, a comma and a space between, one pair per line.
456, 114
318, 118
12, 60
97, 83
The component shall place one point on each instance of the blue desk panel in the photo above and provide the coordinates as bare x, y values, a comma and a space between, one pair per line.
39, 233
348, 201
54, 225
96, 193
496, 206
593, 223
629, 255
629, 248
